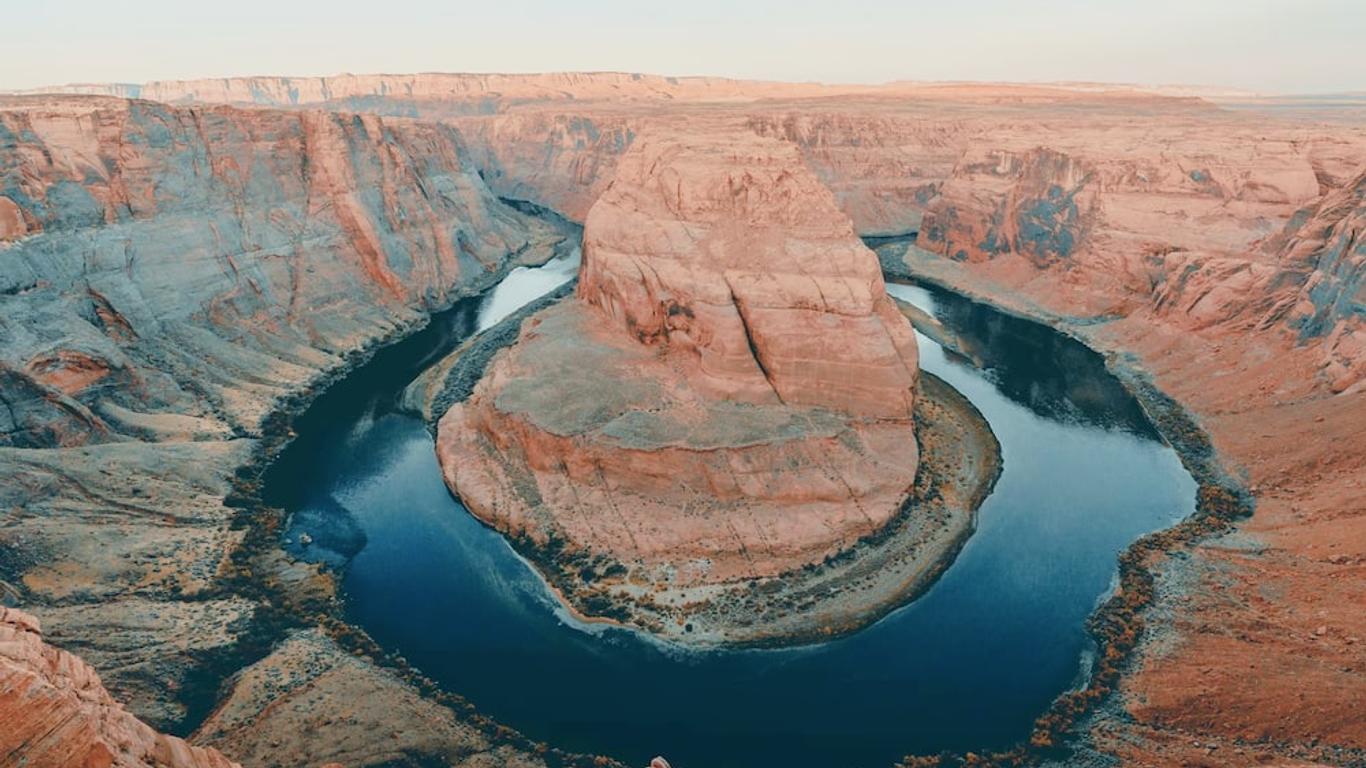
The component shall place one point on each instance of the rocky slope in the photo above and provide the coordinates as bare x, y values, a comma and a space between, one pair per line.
171, 272
730, 395
312, 703
55, 713
1216, 251
172, 280
1318, 287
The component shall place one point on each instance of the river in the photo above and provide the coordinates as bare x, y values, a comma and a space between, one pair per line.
968, 665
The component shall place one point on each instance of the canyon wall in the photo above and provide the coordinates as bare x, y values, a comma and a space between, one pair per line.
1257, 235
1319, 286
560, 160
170, 277
55, 712
730, 394
172, 271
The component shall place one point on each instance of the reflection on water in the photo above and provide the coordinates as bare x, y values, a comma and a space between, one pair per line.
968, 665
1051, 374
524, 284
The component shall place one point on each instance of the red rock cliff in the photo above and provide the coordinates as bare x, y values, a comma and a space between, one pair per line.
200, 262
729, 396
55, 713
725, 250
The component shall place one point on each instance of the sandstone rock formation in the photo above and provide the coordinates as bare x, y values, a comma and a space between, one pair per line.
310, 702
1217, 251
173, 271
727, 251
55, 713
171, 279
730, 396
1319, 286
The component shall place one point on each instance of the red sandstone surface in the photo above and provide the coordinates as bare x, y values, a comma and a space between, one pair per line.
1218, 250
55, 712
731, 393
727, 250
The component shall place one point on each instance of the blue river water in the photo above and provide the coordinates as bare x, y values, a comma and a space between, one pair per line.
968, 665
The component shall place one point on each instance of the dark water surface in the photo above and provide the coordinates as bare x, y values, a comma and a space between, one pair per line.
967, 666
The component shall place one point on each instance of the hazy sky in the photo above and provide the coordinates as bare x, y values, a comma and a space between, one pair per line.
1266, 45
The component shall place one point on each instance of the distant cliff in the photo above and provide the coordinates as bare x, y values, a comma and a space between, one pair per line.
486, 91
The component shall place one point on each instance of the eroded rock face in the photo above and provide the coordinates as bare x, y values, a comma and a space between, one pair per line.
1189, 239
563, 160
726, 250
172, 271
170, 279
1319, 288
311, 703
55, 712
730, 394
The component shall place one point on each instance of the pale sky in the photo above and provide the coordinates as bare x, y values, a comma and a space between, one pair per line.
1272, 46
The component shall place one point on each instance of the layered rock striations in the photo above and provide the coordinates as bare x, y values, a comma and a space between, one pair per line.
55, 712
171, 280
1319, 285
173, 271
1216, 250
1234, 243
559, 159
730, 394
727, 251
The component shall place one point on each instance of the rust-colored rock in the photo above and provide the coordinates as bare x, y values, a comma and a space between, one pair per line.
726, 250
204, 262
55, 713
729, 396
1218, 250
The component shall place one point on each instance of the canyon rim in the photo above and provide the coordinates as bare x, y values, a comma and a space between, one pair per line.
788, 363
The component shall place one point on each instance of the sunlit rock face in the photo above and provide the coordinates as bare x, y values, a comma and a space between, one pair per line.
55, 712
170, 272
1319, 288
729, 395
727, 253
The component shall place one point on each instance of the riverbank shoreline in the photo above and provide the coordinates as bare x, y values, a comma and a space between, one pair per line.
850, 590
303, 598
1164, 429
1119, 622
